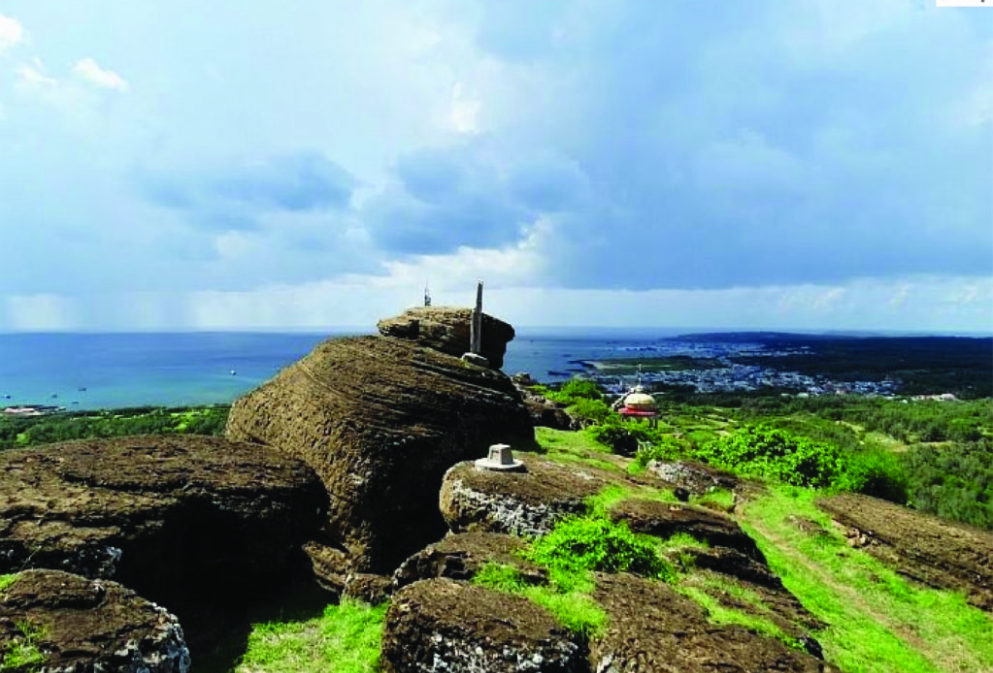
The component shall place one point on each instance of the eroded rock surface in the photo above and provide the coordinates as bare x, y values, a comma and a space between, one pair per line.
653, 629
183, 520
930, 550
70, 623
664, 519
447, 329
380, 420
693, 476
522, 503
444, 625
461, 556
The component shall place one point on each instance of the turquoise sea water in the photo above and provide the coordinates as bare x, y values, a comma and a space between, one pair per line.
174, 369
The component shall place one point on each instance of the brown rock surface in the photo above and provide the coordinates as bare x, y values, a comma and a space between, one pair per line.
444, 625
522, 503
75, 624
930, 550
380, 420
447, 329
663, 519
183, 520
653, 629
459, 557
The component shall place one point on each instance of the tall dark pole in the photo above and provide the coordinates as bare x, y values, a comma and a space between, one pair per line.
476, 327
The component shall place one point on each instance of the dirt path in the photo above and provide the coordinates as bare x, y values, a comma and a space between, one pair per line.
852, 597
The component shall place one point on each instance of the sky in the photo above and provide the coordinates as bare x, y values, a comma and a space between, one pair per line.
759, 164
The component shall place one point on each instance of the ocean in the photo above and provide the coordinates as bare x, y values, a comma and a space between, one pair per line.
104, 371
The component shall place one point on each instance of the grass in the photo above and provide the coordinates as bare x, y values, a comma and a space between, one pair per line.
718, 613
879, 621
345, 639
22, 654
566, 446
611, 495
6, 581
567, 598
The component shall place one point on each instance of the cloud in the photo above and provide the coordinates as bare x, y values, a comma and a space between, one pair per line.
464, 112
235, 195
34, 76
88, 70
11, 33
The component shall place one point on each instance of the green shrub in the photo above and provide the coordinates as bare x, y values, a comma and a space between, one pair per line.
769, 452
623, 437
582, 389
594, 411
595, 543
667, 448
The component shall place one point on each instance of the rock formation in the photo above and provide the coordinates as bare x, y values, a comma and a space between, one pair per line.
444, 625
186, 521
55, 621
447, 330
380, 420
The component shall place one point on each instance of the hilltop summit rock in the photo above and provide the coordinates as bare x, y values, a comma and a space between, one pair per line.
380, 419
446, 329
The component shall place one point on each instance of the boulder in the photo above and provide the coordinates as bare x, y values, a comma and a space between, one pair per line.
444, 625
695, 477
651, 628
380, 420
55, 621
933, 551
184, 520
447, 329
522, 503
664, 519
459, 557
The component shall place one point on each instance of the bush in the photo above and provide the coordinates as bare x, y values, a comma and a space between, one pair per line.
769, 452
578, 388
623, 437
595, 543
593, 411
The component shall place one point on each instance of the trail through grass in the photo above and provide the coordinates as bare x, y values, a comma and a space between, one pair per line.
879, 622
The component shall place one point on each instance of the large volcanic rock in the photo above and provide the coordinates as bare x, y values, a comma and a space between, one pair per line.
447, 330
380, 420
651, 628
444, 625
55, 621
183, 520
930, 550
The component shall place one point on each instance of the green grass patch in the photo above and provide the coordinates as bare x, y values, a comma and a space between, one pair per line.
611, 495
345, 639
566, 441
879, 621
22, 653
6, 581
722, 498
717, 613
567, 597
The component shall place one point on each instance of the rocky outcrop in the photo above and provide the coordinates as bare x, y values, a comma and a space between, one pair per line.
664, 519
693, 476
183, 520
522, 503
444, 625
460, 557
930, 550
56, 621
447, 330
380, 420
651, 628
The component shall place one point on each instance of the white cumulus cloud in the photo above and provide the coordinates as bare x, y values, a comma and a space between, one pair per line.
11, 32
94, 74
